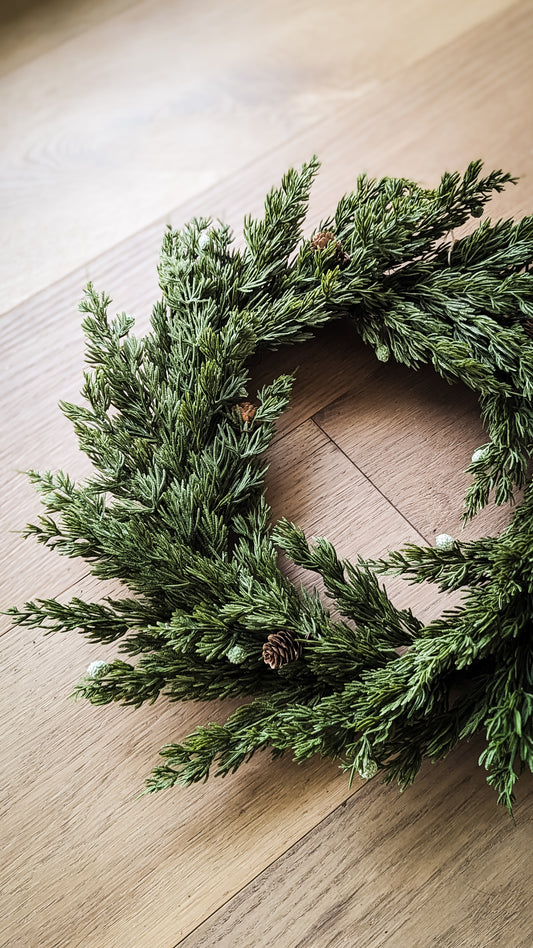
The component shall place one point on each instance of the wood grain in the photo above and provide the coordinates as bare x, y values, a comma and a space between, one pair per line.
406, 90
29, 29
396, 871
87, 863
424, 426
133, 113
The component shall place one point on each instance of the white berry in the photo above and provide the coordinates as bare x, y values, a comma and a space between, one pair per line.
480, 454
97, 669
444, 541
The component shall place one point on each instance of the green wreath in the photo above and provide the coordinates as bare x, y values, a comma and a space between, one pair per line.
176, 506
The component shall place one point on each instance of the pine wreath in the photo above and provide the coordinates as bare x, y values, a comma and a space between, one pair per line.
176, 506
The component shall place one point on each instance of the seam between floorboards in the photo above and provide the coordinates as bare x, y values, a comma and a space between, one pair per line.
273, 862
370, 481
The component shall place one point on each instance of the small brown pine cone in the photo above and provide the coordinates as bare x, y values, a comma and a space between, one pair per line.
325, 237
322, 239
280, 649
527, 326
247, 410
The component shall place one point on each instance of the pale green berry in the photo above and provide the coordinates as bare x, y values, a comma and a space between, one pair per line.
444, 541
97, 669
236, 655
369, 769
480, 454
383, 353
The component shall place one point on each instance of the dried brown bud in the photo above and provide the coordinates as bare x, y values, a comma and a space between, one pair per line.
247, 410
322, 239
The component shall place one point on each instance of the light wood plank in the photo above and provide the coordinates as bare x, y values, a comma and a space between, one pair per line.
413, 436
128, 117
314, 485
393, 871
29, 29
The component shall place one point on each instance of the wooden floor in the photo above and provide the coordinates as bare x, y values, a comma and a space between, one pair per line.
117, 117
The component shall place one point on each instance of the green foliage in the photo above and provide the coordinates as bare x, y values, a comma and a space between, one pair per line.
175, 505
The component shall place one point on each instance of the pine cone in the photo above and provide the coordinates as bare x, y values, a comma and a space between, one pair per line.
527, 326
325, 237
280, 649
322, 239
247, 410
